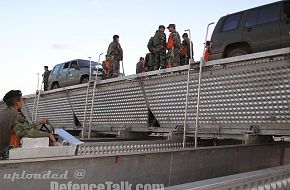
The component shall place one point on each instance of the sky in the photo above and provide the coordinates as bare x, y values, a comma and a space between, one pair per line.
35, 33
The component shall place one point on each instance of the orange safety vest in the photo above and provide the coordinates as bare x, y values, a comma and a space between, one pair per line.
14, 139
206, 54
170, 43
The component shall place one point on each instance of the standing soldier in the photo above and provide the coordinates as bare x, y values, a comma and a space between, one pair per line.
45, 76
185, 50
114, 55
140, 66
173, 46
150, 57
159, 41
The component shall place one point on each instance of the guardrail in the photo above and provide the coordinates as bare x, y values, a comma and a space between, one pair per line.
101, 148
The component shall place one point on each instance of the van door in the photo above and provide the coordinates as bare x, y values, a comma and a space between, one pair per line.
285, 25
262, 29
73, 74
63, 75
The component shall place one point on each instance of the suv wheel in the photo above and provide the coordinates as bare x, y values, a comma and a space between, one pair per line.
55, 86
238, 52
84, 80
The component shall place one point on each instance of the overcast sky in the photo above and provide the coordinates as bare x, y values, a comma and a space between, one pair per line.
35, 33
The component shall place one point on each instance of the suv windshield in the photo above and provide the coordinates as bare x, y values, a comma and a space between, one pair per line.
56, 69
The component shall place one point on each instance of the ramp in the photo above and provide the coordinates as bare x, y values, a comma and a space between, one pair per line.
240, 95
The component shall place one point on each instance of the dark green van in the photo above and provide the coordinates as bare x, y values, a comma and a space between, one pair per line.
259, 29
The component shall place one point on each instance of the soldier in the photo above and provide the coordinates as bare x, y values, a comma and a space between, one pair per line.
14, 126
114, 55
173, 46
185, 50
206, 51
45, 76
159, 41
140, 66
150, 57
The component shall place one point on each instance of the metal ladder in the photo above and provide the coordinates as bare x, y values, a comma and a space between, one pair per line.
89, 102
198, 91
90, 83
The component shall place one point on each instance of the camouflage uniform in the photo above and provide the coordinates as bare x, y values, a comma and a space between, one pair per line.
45, 76
160, 48
149, 61
184, 59
174, 53
22, 128
140, 67
150, 57
115, 55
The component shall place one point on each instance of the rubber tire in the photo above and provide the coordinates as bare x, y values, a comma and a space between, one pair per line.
238, 52
55, 86
84, 80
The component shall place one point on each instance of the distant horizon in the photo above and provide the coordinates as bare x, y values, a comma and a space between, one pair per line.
37, 33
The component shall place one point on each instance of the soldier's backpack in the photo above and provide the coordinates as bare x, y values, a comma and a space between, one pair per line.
156, 39
150, 45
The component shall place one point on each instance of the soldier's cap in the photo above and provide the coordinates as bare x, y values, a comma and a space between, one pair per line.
12, 94
161, 26
171, 25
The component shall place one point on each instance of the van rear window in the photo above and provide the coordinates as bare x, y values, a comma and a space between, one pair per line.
286, 9
263, 15
269, 14
232, 22
84, 64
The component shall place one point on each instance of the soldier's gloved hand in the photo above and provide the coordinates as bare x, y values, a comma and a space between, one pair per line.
52, 140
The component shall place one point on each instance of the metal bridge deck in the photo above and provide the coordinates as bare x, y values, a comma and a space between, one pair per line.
238, 95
